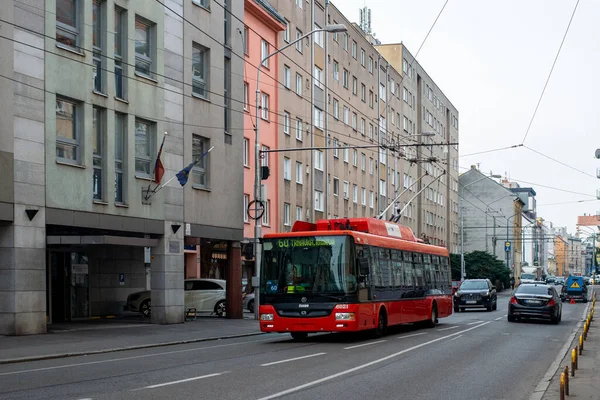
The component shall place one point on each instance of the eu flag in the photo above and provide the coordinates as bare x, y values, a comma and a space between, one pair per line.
182, 176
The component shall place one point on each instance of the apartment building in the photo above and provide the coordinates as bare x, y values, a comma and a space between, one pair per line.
344, 94
96, 86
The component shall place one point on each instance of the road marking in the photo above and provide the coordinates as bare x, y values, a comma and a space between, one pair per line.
364, 344
447, 329
505, 315
291, 359
369, 364
454, 338
474, 322
541, 388
412, 335
129, 358
499, 318
181, 381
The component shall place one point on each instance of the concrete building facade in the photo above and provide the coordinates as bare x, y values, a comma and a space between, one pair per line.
96, 84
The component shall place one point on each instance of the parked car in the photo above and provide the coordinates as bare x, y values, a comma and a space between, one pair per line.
575, 289
455, 286
205, 295
248, 302
560, 281
550, 279
535, 301
475, 293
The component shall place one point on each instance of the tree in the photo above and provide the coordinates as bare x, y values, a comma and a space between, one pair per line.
481, 265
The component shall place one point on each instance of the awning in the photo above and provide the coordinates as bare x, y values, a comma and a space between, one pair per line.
101, 240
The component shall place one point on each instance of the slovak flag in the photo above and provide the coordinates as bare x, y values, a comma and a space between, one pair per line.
159, 170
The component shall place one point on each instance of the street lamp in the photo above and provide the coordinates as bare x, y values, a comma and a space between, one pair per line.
257, 190
508, 251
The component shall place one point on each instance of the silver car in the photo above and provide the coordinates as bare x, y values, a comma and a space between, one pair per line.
248, 302
205, 295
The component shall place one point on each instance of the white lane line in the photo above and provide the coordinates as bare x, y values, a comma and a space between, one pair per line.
412, 335
181, 381
364, 344
474, 322
505, 315
292, 359
447, 329
129, 358
454, 338
366, 365
499, 318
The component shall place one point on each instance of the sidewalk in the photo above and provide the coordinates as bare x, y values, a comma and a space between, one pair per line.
92, 337
585, 384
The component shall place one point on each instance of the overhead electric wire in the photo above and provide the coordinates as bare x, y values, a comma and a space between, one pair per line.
559, 162
491, 151
551, 70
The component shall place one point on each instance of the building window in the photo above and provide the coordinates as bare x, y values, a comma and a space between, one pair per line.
201, 3
264, 53
318, 36
265, 156
287, 169
319, 118
382, 92
355, 157
299, 3
363, 161
286, 33
318, 200
120, 151
298, 129
318, 77
336, 71
354, 86
245, 40
336, 150
264, 106
371, 131
363, 93
266, 214
286, 214
246, 152
371, 166
346, 115
346, 41
246, 202
143, 46
363, 196
67, 130
299, 172
354, 122
246, 96
345, 78
362, 126
382, 187
354, 49
200, 171
98, 18
336, 186
298, 36
98, 140
346, 153
286, 123
298, 84
144, 144
120, 52
371, 199
362, 57
200, 62
371, 98
370, 64
319, 160
298, 213
67, 22
346, 189
355, 193
287, 77
336, 109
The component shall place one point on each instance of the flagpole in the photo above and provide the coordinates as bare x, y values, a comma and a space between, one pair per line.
148, 191
157, 189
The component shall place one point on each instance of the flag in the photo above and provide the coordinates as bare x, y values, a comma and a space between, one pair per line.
159, 170
182, 176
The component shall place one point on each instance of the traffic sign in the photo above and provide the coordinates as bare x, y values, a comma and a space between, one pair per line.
507, 245
575, 285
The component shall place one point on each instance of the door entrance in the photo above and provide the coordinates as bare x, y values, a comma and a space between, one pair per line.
69, 286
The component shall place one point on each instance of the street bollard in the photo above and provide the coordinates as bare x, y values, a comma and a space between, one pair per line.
580, 344
573, 362
562, 386
576, 352
566, 374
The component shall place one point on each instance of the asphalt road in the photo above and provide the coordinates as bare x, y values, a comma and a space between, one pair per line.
470, 355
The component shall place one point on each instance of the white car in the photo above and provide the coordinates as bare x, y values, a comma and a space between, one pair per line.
205, 295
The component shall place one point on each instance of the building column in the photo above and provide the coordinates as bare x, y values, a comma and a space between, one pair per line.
168, 274
234, 281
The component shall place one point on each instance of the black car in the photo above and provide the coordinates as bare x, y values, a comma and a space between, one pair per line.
540, 301
476, 293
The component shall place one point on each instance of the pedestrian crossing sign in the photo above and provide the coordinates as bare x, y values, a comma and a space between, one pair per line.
575, 285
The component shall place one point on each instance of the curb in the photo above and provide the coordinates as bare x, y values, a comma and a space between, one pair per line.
119, 349
542, 387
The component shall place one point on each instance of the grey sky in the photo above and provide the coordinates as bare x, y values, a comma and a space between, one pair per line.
491, 59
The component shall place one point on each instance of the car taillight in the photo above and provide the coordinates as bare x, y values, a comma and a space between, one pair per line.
513, 300
551, 302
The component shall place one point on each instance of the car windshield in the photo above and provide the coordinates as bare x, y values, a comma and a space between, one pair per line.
541, 290
304, 265
474, 285
528, 276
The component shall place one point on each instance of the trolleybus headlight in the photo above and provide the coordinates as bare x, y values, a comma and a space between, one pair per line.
345, 316
266, 317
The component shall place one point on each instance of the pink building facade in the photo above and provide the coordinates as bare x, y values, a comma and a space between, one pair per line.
263, 23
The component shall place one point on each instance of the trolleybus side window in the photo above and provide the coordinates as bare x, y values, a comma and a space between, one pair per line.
384, 268
397, 273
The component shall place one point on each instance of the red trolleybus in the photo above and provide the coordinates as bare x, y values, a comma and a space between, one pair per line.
347, 275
